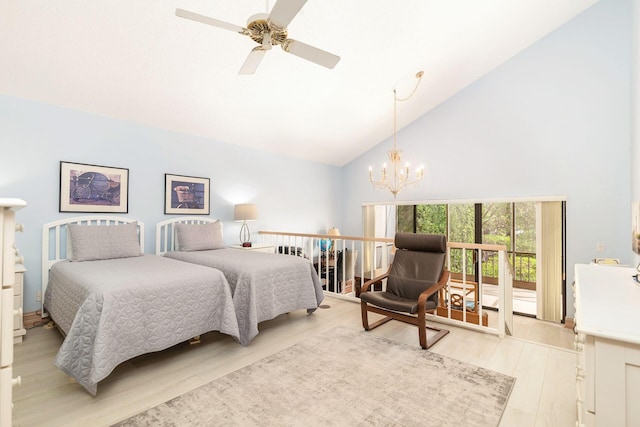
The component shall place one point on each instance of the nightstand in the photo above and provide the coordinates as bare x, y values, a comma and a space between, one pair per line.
256, 247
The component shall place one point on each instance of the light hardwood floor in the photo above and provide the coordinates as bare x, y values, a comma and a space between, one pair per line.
544, 394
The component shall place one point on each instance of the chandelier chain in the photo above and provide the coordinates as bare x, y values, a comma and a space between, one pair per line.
395, 104
419, 77
399, 176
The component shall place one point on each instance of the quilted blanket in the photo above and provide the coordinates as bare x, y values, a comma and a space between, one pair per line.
263, 285
114, 310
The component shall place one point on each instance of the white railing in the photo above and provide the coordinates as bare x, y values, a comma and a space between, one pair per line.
465, 301
371, 257
506, 297
343, 265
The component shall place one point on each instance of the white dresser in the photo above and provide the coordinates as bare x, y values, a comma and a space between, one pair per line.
8, 261
607, 302
18, 291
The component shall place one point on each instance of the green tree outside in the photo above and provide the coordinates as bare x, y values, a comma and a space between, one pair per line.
510, 224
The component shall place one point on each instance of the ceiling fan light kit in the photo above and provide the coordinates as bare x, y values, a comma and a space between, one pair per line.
268, 30
258, 27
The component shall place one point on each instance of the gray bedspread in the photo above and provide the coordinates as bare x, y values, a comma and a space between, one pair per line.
114, 310
263, 285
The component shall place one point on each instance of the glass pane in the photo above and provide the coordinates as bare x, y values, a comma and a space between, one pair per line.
405, 218
490, 266
456, 262
431, 219
525, 267
461, 230
462, 223
525, 263
526, 227
496, 224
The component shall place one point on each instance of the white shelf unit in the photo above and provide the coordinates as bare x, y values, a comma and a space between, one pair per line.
8, 260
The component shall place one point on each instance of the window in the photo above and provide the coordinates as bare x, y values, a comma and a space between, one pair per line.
525, 243
512, 224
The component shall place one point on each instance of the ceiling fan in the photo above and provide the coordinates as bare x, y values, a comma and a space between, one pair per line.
269, 29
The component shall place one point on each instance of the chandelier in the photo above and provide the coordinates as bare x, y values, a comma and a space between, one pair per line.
398, 176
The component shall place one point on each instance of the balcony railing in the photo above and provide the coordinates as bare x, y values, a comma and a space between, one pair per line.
524, 267
344, 263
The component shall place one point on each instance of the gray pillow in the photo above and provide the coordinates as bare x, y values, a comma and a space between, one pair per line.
95, 242
199, 237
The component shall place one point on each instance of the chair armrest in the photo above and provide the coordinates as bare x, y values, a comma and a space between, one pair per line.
442, 282
368, 283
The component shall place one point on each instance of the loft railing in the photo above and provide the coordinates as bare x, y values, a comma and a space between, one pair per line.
343, 263
506, 296
467, 298
465, 301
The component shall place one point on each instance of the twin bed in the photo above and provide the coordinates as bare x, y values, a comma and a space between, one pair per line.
263, 285
113, 302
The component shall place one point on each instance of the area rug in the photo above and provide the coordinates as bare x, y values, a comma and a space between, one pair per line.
343, 377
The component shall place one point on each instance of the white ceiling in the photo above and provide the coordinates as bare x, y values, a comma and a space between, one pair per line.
135, 60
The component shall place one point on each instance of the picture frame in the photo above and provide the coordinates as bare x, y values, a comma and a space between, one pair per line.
93, 188
186, 195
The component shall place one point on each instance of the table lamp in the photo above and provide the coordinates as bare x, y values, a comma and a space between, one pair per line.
332, 232
245, 212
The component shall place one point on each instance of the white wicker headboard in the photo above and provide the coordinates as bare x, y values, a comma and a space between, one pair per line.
166, 234
56, 247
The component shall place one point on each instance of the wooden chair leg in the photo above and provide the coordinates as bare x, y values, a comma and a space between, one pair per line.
419, 321
365, 316
440, 333
364, 308
422, 330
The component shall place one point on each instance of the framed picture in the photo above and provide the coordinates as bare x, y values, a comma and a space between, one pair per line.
92, 188
186, 195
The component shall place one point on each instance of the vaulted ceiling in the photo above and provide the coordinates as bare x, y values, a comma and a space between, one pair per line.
137, 61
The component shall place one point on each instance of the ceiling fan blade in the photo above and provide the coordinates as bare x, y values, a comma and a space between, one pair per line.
209, 21
284, 11
253, 60
310, 53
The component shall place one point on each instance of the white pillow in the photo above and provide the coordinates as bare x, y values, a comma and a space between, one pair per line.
200, 237
96, 242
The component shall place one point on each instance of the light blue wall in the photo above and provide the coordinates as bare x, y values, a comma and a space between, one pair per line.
635, 110
554, 120
291, 194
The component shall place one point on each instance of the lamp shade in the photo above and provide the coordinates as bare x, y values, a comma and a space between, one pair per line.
333, 232
245, 212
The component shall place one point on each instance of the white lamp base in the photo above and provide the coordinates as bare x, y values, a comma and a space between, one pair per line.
245, 235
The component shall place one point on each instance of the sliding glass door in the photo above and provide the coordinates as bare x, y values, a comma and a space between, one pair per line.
515, 225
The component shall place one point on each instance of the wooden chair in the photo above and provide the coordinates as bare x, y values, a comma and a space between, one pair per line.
414, 278
461, 295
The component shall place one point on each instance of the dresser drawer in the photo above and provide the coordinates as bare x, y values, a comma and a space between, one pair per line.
5, 395
17, 309
18, 285
18, 321
6, 328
